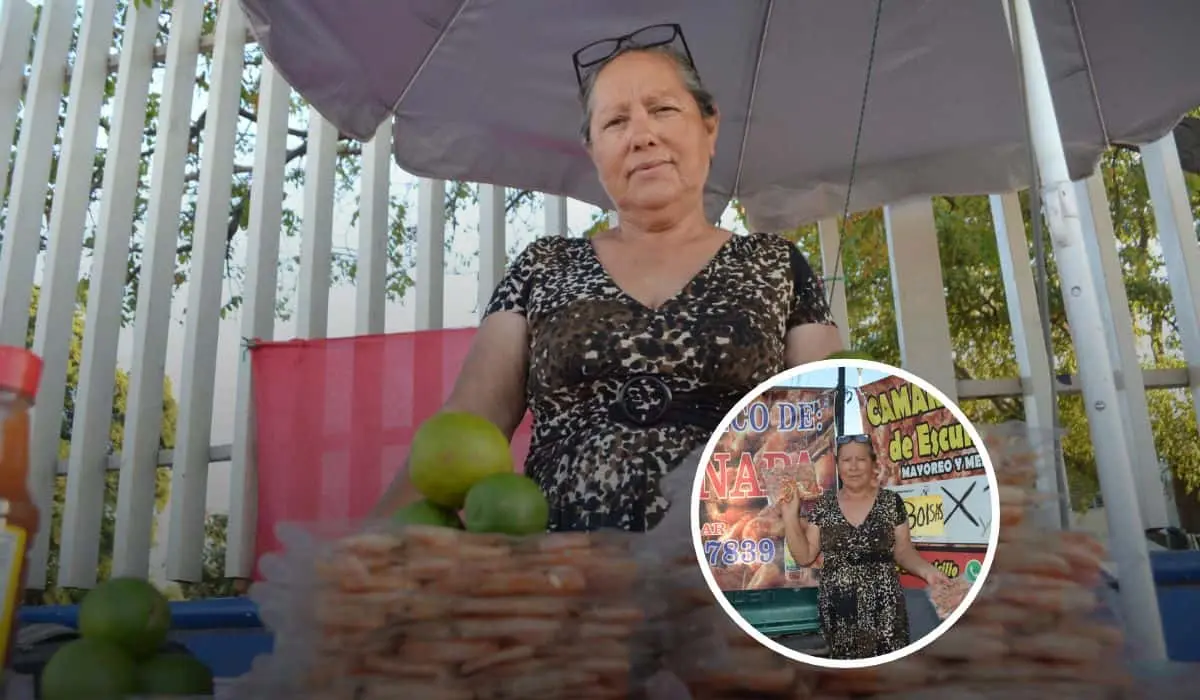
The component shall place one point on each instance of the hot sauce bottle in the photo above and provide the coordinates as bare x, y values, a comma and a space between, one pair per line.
20, 371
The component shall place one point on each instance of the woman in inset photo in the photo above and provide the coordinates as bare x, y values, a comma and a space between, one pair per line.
861, 532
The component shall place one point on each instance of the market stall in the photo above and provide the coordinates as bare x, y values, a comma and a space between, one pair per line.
325, 443
1003, 95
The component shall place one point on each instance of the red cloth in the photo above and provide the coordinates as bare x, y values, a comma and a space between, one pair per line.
335, 418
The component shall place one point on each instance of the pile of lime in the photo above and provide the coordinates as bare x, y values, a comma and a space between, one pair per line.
462, 463
123, 623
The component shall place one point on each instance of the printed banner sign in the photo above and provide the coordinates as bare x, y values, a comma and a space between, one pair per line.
954, 562
916, 437
929, 458
782, 440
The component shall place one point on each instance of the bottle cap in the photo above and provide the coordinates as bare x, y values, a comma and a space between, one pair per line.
20, 371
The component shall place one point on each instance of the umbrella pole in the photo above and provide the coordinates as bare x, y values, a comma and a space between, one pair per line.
1127, 540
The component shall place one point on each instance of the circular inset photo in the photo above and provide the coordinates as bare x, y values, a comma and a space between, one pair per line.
846, 515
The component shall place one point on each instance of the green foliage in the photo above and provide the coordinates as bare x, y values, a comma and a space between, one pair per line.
52, 593
213, 582
978, 313
599, 223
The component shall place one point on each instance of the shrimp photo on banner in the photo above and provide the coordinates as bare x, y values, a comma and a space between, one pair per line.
781, 443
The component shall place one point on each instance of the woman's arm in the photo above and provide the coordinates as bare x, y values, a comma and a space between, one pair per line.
803, 538
803, 541
910, 560
811, 342
812, 334
491, 384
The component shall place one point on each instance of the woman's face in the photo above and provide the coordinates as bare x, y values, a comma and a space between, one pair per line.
649, 141
855, 466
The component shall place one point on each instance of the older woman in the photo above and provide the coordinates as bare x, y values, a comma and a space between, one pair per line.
862, 530
630, 347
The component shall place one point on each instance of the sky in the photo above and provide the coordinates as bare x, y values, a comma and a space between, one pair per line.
827, 378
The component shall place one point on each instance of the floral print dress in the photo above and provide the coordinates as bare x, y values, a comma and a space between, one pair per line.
620, 393
859, 600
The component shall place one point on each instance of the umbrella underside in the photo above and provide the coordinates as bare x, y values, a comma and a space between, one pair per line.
485, 90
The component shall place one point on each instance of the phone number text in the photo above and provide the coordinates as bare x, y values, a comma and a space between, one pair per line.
730, 552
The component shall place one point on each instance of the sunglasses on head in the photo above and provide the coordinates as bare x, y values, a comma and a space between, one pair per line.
847, 439
599, 52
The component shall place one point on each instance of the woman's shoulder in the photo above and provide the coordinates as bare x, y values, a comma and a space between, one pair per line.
543, 245
548, 250
893, 498
768, 241
825, 502
767, 247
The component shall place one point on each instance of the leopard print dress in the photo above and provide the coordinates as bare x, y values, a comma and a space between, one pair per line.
593, 349
860, 602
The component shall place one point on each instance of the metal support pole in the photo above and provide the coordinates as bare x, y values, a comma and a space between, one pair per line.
1139, 600
839, 408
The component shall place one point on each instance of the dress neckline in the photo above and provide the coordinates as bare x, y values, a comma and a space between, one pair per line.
682, 291
874, 502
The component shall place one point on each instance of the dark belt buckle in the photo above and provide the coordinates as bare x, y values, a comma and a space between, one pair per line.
643, 400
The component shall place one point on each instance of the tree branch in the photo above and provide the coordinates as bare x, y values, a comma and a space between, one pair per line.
253, 116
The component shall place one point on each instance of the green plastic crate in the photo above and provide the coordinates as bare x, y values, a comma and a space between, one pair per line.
778, 612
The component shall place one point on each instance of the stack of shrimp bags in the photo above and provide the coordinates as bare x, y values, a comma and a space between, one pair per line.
441, 614
1031, 632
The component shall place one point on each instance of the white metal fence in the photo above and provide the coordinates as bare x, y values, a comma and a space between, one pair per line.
129, 180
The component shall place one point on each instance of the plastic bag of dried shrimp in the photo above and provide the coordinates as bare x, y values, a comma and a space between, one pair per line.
691, 628
442, 614
946, 597
1038, 628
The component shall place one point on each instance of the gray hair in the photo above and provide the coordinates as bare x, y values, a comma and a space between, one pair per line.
687, 73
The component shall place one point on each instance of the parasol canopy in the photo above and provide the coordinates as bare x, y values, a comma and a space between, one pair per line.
486, 91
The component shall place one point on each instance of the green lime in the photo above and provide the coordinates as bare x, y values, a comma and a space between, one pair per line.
128, 612
510, 504
423, 512
973, 569
451, 452
89, 669
174, 673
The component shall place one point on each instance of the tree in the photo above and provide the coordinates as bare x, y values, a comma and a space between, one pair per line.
978, 313
402, 231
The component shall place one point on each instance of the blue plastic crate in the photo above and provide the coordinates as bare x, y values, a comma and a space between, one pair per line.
1177, 582
224, 633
